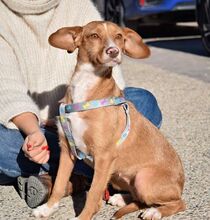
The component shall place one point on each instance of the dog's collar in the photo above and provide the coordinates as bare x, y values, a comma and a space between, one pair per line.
89, 105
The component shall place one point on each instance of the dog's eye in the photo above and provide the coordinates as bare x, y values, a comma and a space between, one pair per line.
94, 36
118, 37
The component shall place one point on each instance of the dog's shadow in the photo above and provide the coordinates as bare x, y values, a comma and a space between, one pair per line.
45, 98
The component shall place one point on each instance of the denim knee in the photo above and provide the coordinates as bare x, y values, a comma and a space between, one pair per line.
145, 103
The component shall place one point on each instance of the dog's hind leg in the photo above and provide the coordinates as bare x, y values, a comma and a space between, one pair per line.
163, 210
132, 207
161, 191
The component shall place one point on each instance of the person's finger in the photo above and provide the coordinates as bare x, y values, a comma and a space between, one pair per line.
34, 143
41, 157
36, 151
44, 159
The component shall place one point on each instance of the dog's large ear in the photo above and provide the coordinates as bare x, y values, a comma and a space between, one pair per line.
67, 38
134, 46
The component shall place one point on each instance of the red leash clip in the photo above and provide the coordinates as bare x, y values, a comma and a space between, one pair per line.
106, 195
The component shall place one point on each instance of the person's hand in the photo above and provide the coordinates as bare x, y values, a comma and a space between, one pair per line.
36, 148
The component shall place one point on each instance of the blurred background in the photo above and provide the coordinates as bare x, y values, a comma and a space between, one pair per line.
174, 24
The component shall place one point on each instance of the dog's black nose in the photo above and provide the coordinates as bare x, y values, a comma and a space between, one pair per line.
112, 52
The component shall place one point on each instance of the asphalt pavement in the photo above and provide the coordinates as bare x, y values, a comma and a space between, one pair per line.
185, 103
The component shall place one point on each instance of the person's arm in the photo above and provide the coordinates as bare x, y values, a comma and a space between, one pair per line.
27, 122
17, 107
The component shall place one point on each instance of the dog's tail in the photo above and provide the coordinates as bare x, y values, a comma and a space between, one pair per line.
132, 207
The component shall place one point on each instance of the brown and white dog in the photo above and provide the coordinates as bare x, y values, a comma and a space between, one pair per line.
144, 164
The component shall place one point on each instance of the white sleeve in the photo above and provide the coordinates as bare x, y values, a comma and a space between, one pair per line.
14, 98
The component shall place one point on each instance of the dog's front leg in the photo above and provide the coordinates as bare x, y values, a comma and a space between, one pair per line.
65, 168
66, 165
102, 170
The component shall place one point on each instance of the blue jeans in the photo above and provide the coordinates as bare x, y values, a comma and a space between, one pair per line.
13, 163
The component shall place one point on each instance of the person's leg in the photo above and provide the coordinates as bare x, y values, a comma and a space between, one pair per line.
6, 180
145, 103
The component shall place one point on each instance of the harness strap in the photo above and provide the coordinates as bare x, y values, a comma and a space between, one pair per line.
83, 106
128, 125
66, 125
94, 104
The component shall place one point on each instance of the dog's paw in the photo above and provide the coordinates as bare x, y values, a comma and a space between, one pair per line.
44, 210
151, 214
118, 199
74, 218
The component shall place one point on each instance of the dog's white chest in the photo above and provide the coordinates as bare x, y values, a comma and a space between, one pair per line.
78, 128
82, 82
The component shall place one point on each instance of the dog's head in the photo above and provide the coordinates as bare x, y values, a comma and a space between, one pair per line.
101, 43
